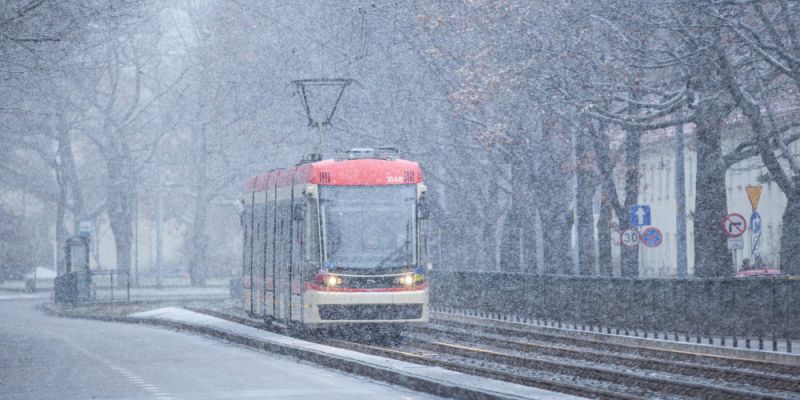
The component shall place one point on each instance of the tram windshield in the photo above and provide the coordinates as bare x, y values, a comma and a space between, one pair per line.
368, 227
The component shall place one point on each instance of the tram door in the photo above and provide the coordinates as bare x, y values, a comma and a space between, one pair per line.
280, 266
296, 264
284, 259
258, 265
288, 262
247, 267
269, 253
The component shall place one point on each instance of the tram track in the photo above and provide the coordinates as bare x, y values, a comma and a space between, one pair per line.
566, 366
652, 383
706, 370
426, 358
654, 355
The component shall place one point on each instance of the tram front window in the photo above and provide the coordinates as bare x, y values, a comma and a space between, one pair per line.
367, 227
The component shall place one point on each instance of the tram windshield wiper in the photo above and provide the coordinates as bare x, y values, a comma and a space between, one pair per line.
392, 254
397, 250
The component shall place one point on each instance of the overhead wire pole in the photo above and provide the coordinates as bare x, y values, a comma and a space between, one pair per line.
316, 118
159, 213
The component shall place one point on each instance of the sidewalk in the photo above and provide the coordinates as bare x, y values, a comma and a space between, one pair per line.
13, 290
433, 380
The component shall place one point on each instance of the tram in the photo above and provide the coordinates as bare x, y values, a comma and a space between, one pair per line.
337, 241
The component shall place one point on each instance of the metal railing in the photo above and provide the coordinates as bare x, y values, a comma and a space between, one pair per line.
105, 284
83, 287
733, 311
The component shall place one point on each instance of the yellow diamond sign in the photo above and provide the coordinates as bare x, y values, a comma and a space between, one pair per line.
754, 194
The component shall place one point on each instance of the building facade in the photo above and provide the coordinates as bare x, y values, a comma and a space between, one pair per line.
657, 189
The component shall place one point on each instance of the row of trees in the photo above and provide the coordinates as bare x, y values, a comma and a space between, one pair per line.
520, 112
542, 80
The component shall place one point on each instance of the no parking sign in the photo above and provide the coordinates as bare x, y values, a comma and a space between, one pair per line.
652, 237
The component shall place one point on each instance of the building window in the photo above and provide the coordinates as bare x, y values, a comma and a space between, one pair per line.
652, 182
690, 177
669, 180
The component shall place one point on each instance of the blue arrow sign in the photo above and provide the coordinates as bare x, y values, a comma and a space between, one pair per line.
755, 222
640, 215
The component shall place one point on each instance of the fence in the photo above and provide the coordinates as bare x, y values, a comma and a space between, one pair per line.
110, 286
715, 309
82, 287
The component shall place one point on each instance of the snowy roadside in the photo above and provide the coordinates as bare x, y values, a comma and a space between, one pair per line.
432, 380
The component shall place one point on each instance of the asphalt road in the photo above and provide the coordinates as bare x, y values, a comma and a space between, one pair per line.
44, 357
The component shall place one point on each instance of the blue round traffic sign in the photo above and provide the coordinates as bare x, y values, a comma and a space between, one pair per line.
755, 222
652, 237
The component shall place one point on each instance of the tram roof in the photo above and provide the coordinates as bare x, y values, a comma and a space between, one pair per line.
359, 172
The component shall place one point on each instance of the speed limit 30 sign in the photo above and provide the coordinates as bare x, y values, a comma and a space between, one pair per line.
629, 237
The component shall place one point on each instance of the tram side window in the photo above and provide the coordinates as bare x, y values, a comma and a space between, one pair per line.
297, 246
284, 218
258, 251
247, 248
269, 236
422, 225
311, 237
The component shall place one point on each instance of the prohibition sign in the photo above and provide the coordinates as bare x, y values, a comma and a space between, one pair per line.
734, 225
629, 237
652, 237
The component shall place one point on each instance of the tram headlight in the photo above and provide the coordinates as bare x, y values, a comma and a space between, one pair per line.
329, 281
333, 281
407, 280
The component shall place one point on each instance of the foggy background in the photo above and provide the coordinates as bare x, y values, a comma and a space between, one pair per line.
531, 121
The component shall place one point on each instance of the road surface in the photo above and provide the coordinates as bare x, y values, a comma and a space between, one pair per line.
44, 357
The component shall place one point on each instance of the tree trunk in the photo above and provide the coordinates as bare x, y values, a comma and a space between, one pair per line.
553, 193
790, 233
198, 270
609, 201
630, 255
488, 245
583, 204
712, 257
605, 260
198, 263
512, 228
510, 245
119, 200
529, 239
61, 234
67, 164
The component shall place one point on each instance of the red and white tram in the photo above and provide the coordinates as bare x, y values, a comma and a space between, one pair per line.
336, 242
